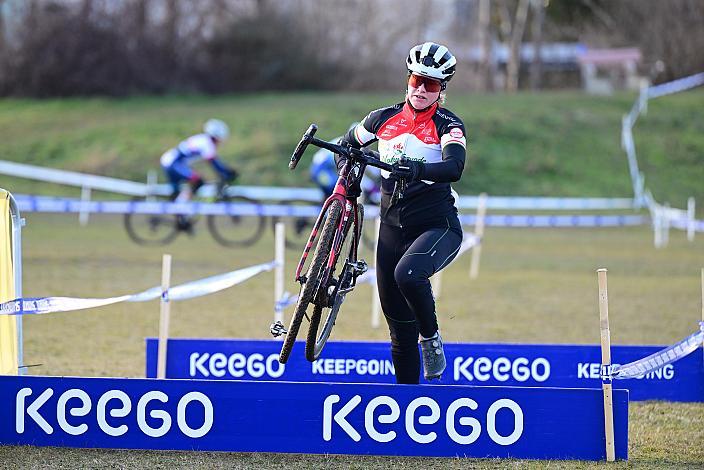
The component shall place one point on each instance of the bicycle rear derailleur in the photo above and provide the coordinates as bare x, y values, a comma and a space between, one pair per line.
277, 329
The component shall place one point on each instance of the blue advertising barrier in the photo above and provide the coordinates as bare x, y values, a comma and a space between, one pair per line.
526, 365
244, 416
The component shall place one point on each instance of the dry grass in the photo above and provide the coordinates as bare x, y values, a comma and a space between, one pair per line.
534, 286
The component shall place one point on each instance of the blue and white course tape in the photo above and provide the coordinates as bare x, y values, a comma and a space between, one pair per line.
39, 305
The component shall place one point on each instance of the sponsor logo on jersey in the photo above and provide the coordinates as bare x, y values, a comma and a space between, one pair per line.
456, 132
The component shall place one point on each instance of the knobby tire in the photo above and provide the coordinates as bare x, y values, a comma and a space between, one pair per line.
315, 270
316, 342
223, 228
150, 229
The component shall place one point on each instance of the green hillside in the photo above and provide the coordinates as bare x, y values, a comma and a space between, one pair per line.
547, 144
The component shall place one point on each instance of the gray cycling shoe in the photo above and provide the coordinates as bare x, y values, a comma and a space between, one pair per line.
433, 357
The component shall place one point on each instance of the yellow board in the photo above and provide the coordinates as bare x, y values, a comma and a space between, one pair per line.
8, 323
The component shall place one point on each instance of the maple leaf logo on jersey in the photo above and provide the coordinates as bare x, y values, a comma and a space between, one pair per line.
398, 149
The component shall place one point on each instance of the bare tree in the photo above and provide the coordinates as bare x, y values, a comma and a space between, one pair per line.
486, 76
2, 28
514, 58
86, 10
536, 65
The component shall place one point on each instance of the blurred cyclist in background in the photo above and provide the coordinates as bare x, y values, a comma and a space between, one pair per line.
176, 163
323, 172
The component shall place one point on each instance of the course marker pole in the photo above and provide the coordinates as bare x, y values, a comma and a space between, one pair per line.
279, 258
690, 219
479, 232
164, 316
84, 212
606, 365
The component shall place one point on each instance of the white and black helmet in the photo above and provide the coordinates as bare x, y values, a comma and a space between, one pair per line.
216, 129
432, 60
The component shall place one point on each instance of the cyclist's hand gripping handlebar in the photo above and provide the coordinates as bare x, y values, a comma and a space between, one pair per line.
301, 147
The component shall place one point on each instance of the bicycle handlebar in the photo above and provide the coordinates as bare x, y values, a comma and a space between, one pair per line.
366, 156
369, 157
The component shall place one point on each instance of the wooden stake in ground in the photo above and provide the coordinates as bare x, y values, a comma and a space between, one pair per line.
280, 258
606, 365
479, 232
164, 316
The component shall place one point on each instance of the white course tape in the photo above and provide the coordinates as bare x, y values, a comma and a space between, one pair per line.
469, 241
659, 359
189, 290
286, 300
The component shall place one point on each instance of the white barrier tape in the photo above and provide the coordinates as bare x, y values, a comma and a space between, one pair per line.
40, 305
369, 277
659, 359
285, 301
469, 241
684, 223
676, 85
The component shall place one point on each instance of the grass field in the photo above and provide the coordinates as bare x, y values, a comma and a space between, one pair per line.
539, 144
535, 285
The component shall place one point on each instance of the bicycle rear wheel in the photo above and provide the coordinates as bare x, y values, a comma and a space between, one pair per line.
316, 340
150, 229
237, 230
312, 276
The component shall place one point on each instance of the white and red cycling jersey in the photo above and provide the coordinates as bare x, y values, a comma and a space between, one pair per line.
434, 136
197, 147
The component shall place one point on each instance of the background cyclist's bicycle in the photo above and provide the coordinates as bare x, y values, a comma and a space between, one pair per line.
227, 230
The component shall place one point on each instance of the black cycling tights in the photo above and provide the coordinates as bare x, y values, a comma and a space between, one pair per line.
406, 258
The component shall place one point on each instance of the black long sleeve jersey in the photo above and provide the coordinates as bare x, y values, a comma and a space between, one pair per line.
434, 136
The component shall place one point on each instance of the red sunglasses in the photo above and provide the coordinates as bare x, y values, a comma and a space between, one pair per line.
431, 85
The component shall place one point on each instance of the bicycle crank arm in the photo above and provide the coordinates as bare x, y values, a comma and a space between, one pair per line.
277, 329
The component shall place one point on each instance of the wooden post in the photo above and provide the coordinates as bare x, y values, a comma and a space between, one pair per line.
164, 316
479, 232
279, 258
84, 212
606, 365
376, 303
690, 219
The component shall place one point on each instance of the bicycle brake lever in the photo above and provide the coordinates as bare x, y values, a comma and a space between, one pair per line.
399, 188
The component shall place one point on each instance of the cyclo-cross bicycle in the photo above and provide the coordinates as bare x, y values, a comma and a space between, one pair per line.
334, 268
228, 230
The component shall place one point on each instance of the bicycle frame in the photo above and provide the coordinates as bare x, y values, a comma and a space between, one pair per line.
348, 199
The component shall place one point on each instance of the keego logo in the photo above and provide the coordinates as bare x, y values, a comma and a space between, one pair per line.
501, 369
236, 365
421, 418
116, 404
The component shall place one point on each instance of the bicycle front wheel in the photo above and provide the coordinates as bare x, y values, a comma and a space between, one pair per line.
318, 338
313, 276
150, 229
237, 230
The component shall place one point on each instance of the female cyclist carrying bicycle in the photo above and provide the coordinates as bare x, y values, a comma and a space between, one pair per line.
420, 232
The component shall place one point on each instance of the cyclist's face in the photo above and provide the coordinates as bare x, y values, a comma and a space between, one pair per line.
422, 91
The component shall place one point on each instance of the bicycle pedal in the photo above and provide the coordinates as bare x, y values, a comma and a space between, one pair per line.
360, 267
277, 329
